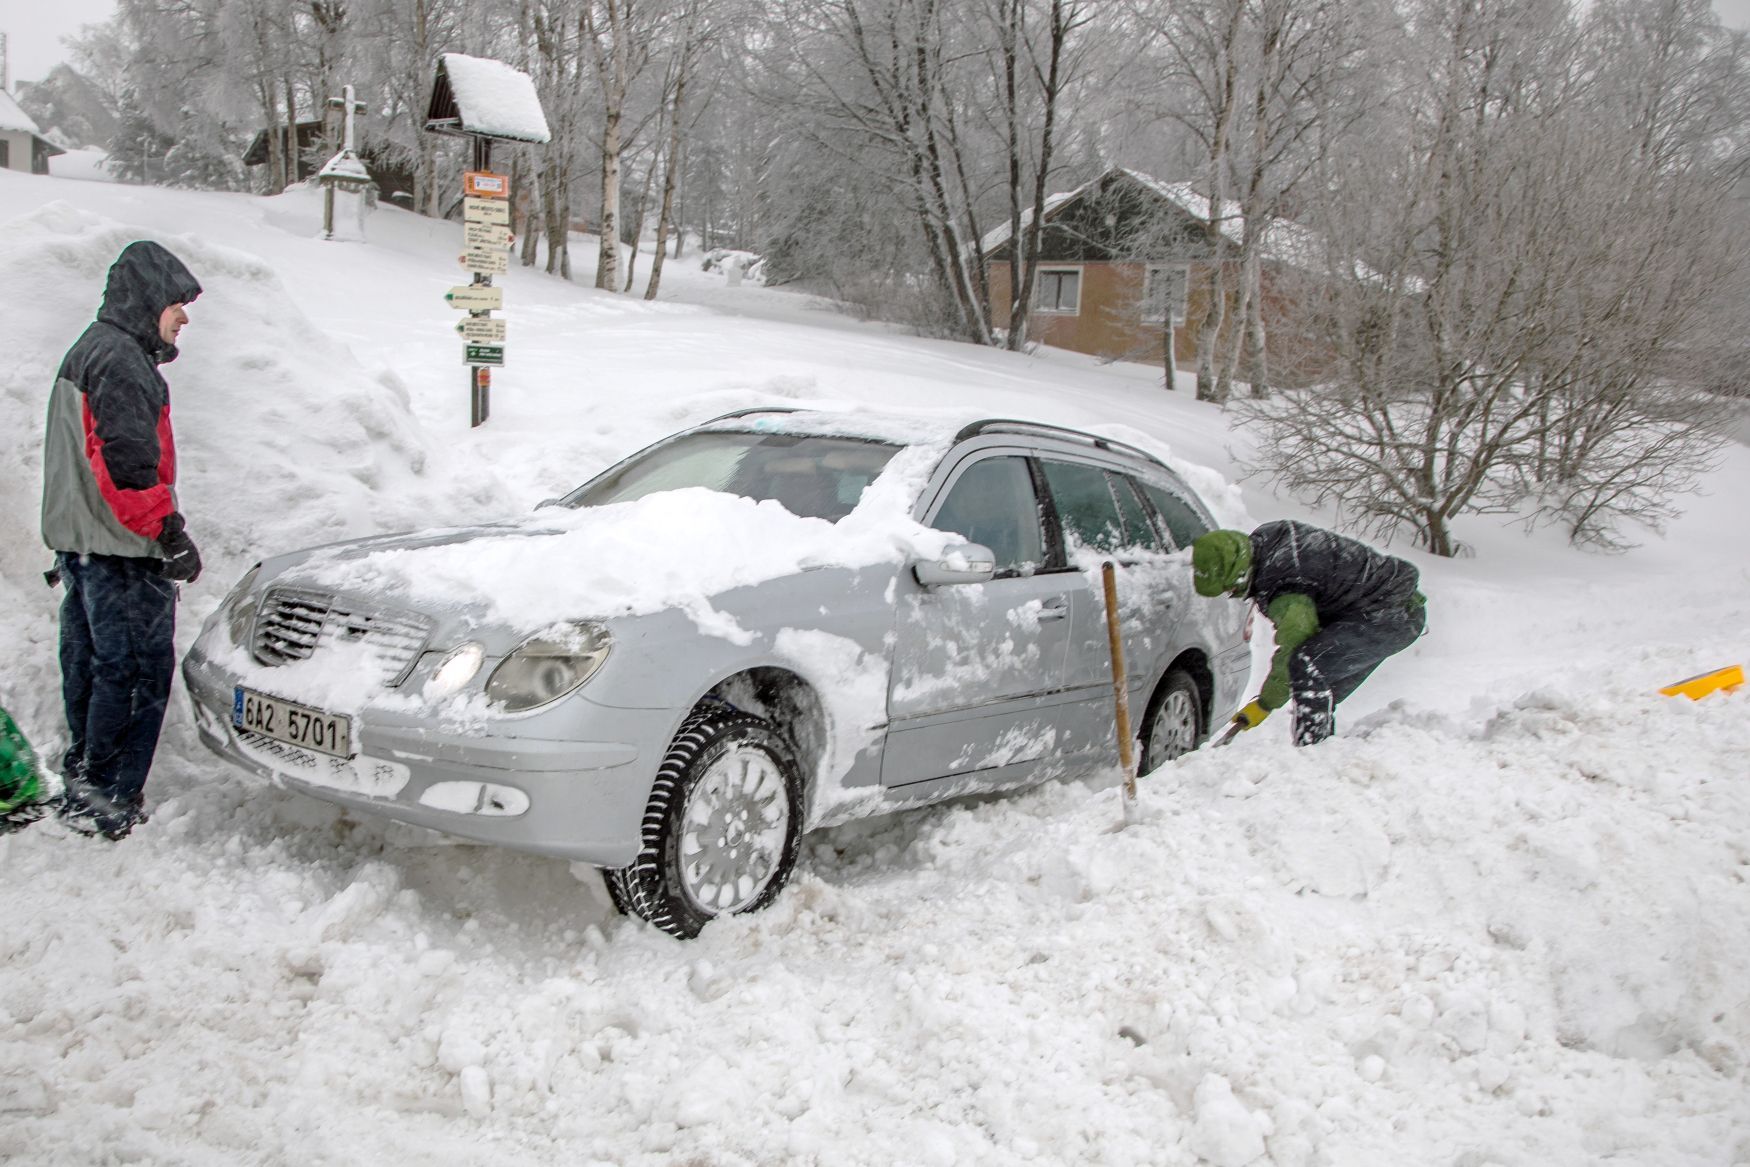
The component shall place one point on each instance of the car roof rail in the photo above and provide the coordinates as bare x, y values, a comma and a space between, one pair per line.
751, 411
1006, 425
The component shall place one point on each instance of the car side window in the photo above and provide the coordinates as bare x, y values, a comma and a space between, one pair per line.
1086, 507
1138, 529
992, 502
1183, 522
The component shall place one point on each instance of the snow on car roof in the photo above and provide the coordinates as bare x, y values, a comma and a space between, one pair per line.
903, 429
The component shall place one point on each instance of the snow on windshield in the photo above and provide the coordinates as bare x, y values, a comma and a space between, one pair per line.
813, 477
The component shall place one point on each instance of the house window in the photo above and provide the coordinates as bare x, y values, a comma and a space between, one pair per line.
1163, 289
1059, 291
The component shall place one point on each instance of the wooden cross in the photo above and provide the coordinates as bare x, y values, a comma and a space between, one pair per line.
346, 102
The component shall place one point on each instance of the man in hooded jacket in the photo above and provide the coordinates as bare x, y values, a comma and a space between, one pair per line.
1339, 608
110, 514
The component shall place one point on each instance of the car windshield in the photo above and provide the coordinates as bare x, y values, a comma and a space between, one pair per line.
808, 475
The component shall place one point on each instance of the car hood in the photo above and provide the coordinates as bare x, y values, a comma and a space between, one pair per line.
670, 550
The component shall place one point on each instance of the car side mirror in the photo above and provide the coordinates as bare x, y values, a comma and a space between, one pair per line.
959, 563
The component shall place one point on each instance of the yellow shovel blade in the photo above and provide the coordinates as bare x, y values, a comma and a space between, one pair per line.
1695, 688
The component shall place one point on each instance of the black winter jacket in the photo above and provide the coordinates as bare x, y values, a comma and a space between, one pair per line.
1342, 577
109, 458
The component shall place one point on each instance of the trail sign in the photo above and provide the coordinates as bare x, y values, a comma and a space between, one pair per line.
475, 297
481, 328
484, 184
483, 354
480, 236
486, 211
486, 262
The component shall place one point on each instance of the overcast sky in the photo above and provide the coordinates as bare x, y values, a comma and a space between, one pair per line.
34, 28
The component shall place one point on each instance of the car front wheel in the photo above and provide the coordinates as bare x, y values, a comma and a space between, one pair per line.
722, 828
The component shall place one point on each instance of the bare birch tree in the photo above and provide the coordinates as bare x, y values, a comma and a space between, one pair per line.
1518, 301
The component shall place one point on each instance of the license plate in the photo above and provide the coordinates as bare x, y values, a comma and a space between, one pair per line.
289, 722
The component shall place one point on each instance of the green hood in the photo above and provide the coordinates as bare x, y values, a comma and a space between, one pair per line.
1220, 562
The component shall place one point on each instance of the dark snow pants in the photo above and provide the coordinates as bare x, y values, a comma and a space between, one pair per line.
117, 661
1338, 657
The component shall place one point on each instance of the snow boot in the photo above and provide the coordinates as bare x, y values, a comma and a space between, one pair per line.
86, 811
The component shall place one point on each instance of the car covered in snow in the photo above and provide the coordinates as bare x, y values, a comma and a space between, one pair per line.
774, 621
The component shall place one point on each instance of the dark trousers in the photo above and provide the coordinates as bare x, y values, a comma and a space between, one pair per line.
1338, 657
117, 659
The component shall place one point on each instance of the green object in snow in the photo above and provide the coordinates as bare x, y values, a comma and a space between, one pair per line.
21, 780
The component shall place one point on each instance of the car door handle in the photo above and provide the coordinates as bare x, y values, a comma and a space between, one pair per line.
1054, 609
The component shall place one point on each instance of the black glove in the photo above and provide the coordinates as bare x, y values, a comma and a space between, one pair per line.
181, 562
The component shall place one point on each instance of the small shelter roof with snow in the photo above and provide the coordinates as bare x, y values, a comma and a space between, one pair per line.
483, 97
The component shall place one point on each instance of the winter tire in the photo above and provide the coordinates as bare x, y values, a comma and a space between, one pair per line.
1174, 725
722, 829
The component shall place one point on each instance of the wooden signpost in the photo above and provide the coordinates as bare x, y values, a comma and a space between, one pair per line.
483, 100
486, 256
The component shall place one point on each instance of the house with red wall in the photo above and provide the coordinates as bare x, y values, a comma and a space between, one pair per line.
1125, 269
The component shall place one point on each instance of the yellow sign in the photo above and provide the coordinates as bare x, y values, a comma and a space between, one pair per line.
476, 297
484, 184
486, 211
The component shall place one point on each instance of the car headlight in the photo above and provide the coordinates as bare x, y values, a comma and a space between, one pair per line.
240, 606
547, 666
455, 670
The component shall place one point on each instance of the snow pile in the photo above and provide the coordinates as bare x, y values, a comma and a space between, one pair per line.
675, 549
88, 163
1503, 919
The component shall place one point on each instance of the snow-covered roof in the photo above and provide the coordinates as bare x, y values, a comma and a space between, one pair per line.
13, 119
1285, 242
997, 236
478, 95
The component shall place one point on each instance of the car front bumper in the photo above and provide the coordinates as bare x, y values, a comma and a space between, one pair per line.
579, 800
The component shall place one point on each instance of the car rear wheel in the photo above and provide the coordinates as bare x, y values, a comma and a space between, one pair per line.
1175, 721
722, 828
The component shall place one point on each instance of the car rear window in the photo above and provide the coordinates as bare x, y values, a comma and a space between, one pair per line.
1183, 522
810, 476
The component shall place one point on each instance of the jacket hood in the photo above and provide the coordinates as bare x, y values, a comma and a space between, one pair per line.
144, 280
1220, 562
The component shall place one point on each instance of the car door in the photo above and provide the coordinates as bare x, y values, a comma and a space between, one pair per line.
977, 682
1104, 519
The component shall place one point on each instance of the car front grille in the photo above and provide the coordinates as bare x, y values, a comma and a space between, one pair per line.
294, 624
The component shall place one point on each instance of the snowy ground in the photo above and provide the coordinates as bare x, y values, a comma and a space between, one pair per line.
1504, 920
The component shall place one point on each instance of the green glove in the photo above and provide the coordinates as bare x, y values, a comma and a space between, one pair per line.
1251, 717
20, 779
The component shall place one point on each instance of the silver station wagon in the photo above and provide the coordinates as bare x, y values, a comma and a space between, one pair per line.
774, 621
